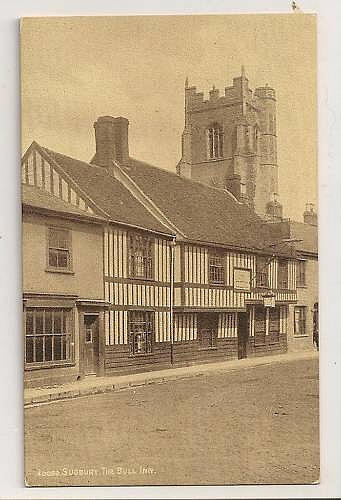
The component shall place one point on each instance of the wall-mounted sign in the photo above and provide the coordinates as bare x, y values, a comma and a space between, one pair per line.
242, 279
269, 300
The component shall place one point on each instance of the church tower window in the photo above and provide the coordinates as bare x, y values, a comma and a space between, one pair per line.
214, 141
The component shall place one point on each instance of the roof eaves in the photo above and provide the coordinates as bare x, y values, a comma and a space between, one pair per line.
28, 207
229, 246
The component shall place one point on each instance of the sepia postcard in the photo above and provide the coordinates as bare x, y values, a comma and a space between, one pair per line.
170, 258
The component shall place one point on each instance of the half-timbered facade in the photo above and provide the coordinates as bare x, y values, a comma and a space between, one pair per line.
186, 272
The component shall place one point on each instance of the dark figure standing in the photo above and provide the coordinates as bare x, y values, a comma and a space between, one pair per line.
316, 325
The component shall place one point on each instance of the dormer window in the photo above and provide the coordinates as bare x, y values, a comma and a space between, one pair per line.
214, 142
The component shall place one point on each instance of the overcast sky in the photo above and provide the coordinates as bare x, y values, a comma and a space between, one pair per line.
78, 68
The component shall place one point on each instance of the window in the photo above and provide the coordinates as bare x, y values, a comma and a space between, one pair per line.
300, 267
300, 320
215, 141
274, 323
59, 248
141, 250
140, 332
217, 268
48, 336
282, 274
260, 326
262, 274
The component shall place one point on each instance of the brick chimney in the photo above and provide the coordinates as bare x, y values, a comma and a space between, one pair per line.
310, 216
111, 140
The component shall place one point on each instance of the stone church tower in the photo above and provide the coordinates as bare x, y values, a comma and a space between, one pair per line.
230, 141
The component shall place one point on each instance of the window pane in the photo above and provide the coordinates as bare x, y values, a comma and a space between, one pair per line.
48, 322
57, 322
58, 238
39, 349
63, 258
53, 258
39, 322
57, 347
48, 348
29, 323
65, 321
29, 349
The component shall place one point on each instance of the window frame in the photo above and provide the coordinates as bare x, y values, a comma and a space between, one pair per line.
66, 338
149, 269
149, 319
301, 320
263, 264
57, 269
215, 141
301, 276
282, 282
216, 254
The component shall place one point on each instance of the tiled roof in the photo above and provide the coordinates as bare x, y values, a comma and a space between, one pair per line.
201, 212
108, 194
307, 233
35, 197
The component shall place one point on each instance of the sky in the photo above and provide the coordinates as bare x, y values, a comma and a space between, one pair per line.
75, 69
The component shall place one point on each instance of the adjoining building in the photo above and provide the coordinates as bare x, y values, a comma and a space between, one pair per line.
304, 238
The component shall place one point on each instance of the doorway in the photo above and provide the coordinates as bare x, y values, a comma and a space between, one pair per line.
91, 329
243, 335
208, 329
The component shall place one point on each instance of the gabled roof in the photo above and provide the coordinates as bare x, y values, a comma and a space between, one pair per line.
108, 194
203, 213
36, 198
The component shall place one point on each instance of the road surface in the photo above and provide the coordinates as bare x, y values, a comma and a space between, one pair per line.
254, 425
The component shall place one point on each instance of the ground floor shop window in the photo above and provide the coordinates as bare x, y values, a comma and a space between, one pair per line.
260, 326
48, 336
300, 320
140, 332
274, 324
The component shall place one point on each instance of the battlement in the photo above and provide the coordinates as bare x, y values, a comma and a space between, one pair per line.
265, 93
236, 94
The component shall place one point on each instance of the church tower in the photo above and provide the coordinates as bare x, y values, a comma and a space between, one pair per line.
229, 141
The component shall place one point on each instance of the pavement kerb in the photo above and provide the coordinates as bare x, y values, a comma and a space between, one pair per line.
194, 371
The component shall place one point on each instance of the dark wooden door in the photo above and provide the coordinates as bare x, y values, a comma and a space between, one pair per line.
90, 344
243, 335
208, 329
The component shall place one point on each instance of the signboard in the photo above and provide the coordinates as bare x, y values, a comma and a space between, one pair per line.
269, 300
242, 279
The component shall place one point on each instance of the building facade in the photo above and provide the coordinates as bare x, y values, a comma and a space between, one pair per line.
304, 236
63, 302
164, 270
